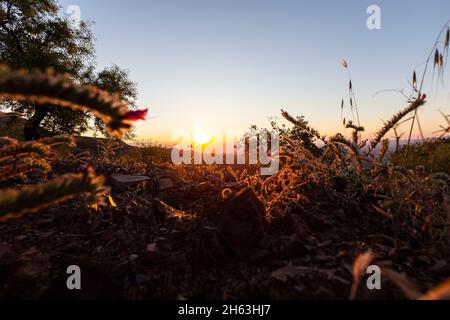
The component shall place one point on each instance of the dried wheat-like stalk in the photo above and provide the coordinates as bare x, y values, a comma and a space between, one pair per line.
444, 129
55, 141
383, 150
359, 269
408, 288
6, 141
356, 130
414, 105
339, 139
43, 88
15, 149
14, 203
20, 167
355, 156
441, 292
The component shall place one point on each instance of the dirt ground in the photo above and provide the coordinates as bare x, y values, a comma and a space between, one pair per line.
187, 242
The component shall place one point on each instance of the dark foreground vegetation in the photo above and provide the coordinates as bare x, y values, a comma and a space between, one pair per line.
142, 228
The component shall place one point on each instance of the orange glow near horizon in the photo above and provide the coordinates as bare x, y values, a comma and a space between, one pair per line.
201, 136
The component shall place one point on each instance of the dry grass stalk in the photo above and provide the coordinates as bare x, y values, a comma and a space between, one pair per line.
303, 126
440, 292
17, 202
359, 270
408, 288
414, 105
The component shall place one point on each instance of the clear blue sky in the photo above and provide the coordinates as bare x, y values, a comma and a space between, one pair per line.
234, 63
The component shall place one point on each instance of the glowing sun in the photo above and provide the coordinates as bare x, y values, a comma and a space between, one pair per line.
200, 135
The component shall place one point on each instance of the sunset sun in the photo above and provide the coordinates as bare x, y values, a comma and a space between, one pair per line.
225, 159
201, 136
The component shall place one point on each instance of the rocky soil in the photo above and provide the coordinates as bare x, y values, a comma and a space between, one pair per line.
165, 237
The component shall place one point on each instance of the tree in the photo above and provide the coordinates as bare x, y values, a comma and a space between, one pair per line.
33, 35
115, 81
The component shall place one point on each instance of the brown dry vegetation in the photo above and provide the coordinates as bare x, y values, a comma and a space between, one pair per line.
217, 232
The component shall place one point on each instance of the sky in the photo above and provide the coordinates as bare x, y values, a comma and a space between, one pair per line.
230, 64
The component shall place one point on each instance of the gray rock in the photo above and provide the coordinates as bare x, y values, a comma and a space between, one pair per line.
165, 183
124, 180
241, 221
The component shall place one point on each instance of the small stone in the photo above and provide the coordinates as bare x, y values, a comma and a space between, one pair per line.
425, 260
120, 234
241, 221
152, 247
165, 183
133, 257
5, 248
123, 180
141, 279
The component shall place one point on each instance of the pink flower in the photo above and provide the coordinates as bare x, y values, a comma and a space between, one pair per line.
136, 115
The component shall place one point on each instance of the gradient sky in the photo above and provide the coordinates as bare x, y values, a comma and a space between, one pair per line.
230, 64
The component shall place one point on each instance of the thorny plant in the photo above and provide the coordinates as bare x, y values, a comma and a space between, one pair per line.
111, 154
42, 88
352, 171
19, 159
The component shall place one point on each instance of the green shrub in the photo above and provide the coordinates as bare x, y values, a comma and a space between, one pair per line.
433, 155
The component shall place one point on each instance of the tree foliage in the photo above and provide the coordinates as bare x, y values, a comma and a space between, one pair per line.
115, 81
34, 36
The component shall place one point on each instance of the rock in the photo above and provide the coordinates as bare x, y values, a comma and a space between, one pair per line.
124, 180
158, 251
284, 273
140, 279
152, 247
33, 264
202, 187
240, 221
441, 267
165, 183
209, 250
133, 257
5, 248
31, 274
